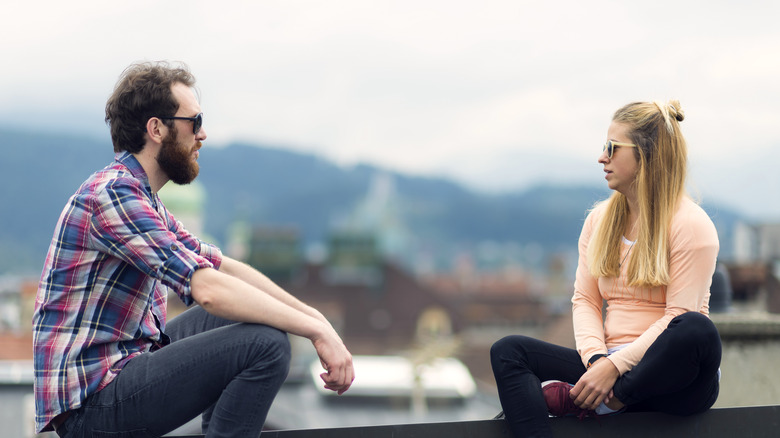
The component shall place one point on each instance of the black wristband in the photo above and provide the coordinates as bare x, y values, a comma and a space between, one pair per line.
594, 358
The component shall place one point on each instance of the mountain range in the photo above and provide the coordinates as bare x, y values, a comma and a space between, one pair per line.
265, 185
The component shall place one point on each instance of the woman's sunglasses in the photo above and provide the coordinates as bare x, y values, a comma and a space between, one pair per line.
611, 145
197, 122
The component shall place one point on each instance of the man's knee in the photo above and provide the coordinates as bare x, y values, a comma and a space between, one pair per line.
278, 344
282, 343
263, 345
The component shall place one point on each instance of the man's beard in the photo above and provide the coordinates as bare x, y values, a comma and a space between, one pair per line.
176, 161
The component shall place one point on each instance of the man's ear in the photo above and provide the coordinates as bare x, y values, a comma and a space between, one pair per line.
156, 130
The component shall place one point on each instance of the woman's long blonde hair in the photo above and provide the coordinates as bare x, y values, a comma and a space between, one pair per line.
660, 184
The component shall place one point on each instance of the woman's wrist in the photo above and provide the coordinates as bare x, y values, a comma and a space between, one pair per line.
593, 359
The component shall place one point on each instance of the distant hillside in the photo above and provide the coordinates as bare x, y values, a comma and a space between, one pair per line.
37, 175
267, 185
262, 185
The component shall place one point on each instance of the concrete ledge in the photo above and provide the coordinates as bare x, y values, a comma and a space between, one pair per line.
756, 421
741, 327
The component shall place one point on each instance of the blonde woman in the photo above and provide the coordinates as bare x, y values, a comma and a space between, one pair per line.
650, 252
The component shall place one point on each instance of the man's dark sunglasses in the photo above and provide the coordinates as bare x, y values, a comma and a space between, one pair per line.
197, 121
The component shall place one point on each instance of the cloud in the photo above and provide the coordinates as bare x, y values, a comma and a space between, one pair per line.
499, 94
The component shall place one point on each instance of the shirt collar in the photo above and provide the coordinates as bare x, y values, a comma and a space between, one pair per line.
134, 166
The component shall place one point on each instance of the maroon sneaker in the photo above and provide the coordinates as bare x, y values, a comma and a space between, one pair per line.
559, 404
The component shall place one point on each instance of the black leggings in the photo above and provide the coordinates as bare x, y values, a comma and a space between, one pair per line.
677, 375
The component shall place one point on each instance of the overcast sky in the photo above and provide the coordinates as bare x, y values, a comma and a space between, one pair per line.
497, 94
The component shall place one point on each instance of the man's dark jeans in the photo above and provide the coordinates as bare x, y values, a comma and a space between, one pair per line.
228, 371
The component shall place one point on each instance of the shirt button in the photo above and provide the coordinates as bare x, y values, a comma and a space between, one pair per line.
174, 247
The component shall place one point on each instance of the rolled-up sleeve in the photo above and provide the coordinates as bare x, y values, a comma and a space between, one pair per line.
191, 242
126, 225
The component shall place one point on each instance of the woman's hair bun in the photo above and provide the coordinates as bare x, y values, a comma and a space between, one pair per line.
675, 110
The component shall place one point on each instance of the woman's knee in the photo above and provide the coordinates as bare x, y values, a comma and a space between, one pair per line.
506, 344
696, 329
695, 324
509, 349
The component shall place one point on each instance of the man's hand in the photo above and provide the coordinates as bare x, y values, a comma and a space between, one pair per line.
336, 361
230, 297
595, 385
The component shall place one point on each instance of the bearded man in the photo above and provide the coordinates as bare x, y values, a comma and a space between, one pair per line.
107, 362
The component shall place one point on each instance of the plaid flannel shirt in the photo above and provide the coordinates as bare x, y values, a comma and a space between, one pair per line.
102, 298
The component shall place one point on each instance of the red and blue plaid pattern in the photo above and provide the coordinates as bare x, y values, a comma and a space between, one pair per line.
102, 298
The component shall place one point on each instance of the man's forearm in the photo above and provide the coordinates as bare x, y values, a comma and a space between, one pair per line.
232, 298
259, 280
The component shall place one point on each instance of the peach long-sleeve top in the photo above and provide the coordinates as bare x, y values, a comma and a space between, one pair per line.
637, 315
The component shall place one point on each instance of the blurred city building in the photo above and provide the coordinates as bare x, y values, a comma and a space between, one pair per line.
389, 304
756, 242
755, 268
